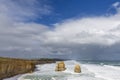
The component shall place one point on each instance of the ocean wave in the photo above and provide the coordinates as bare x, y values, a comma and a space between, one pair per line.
113, 67
104, 72
89, 72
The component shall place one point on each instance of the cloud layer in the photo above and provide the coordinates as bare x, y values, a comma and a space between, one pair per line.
24, 9
89, 38
94, 30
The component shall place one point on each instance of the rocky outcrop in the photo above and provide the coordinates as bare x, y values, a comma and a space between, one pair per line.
77, 68
60, 66
10, 67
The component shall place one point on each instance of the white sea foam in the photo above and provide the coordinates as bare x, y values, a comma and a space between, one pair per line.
107, 73
13, 78
113, 67
89, 72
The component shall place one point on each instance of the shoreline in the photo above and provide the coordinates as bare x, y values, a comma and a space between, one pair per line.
16, 77
10, 67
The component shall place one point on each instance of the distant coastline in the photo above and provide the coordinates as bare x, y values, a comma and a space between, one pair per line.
12, 66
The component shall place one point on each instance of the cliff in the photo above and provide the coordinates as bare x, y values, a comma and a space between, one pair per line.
10, 67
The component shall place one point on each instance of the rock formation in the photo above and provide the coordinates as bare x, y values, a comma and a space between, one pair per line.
11, 67
77, 68
60, 66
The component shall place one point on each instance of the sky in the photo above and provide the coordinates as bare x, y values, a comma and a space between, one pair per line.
68, 29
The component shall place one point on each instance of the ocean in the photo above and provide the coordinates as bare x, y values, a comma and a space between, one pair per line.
91, 70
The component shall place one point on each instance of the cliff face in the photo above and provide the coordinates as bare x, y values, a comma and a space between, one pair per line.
10, 67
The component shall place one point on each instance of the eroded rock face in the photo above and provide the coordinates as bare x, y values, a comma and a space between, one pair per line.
77, 68
13, 67
60, 66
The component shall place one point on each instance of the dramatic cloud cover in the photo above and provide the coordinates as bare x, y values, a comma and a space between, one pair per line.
96, 37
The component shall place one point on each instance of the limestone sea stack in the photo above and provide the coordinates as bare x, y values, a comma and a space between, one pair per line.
60, 66
77, 68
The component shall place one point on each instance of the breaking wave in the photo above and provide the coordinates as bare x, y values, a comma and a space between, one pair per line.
89, 72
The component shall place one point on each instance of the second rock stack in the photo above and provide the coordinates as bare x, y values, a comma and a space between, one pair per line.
77, 68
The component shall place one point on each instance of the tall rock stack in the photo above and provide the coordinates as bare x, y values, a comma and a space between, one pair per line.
60, 66
77, 68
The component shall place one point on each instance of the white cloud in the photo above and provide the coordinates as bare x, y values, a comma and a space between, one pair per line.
98, 30
86, 38
116, 5
24, 9
16, 36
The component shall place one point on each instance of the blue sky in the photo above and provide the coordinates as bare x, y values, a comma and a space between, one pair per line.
66, 9
74, 29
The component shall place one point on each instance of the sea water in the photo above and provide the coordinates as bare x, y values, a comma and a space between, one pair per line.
91, 70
